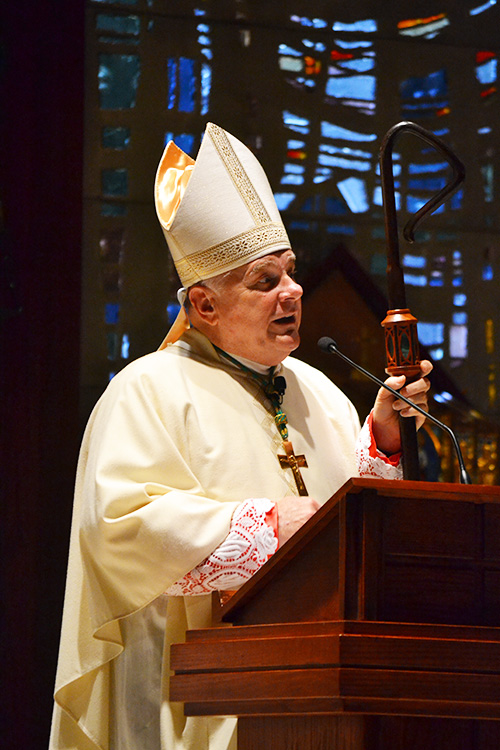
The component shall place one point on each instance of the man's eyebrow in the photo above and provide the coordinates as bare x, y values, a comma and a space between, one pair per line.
268, 263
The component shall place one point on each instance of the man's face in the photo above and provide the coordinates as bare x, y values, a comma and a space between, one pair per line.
259, 309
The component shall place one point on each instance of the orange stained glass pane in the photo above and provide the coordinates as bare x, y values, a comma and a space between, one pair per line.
418, 21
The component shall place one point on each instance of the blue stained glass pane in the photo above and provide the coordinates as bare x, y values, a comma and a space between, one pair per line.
341, 229
359, 87
354, 193
296, 123
345, 150
414, 204
203, 28
316, 23
111, 314
430, 334
414, 261
437, 354
413, 279
460, 318
368, 26
185, 141
117, 138
114, 182
291, 119
206, 52
204, 40
119, 24
292, 179
487, 73
335, 207
459, 300
456, 200
125, 346
481, 8
113, 209
427, 183
337, 161
328, 130
435, 84
284, 49
301, 225
362, 64
352, 45
187, 85
423, 168
118, 80
487, 273
294, 145
206, 87
283, 200
294, 168
172, 82
483, 131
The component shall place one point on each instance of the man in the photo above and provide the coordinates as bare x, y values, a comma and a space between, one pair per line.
200, 459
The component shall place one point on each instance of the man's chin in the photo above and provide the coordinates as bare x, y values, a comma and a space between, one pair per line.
287, 341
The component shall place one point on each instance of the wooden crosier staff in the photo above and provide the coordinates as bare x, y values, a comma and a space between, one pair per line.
400, 326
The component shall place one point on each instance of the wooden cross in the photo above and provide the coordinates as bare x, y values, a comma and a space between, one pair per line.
291, 461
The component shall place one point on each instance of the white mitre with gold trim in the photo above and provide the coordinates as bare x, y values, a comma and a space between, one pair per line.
218, 212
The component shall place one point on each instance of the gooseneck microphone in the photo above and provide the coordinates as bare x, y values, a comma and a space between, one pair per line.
327, 344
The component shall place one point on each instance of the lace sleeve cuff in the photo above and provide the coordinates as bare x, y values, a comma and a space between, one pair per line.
371, 461
252, 539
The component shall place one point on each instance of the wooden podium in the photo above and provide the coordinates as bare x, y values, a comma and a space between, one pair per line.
376, 627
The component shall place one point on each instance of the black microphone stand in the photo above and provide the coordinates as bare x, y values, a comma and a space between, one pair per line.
327, 344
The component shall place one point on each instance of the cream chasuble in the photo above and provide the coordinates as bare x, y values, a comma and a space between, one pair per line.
177, 441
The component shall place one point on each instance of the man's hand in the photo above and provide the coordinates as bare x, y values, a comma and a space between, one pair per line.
293, 512
387, 407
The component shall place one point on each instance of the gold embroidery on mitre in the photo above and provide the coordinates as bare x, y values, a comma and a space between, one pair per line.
216, 259
238, 175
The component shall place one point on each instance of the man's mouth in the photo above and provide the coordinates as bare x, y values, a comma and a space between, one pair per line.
286, 321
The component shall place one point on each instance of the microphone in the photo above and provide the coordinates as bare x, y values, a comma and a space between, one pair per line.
327, 344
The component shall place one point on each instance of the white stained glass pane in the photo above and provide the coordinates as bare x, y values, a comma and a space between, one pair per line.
292, 64
458, 342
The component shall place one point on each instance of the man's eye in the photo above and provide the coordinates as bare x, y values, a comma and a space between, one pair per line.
267, 281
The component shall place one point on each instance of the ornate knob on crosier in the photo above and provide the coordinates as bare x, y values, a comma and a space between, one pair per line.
401, 343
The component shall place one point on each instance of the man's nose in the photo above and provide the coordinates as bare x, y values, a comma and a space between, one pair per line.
290, 290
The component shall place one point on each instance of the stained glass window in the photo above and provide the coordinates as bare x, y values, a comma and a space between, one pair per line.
118, 80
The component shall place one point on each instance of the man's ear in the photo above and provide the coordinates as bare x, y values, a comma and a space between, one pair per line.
203, 304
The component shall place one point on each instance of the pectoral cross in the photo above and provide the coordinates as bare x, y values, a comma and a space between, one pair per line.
293, 462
